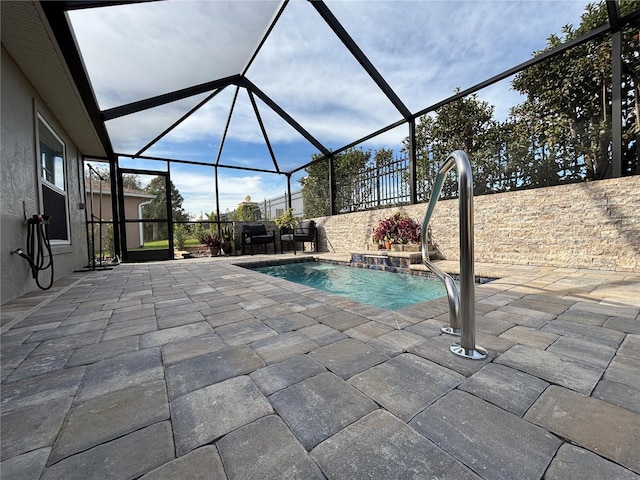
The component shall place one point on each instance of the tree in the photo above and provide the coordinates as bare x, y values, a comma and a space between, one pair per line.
466, 124
316, 189
247, 212
129, 181
157, 209
570, 96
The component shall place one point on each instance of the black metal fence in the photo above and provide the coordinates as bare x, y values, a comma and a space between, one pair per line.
380, 186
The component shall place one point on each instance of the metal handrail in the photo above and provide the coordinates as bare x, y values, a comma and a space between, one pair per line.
461, 306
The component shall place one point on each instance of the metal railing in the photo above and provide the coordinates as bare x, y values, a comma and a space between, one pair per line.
462, 316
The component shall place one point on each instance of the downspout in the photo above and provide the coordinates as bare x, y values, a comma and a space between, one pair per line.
141, 225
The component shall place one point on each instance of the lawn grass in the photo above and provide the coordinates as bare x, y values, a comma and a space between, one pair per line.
164, 245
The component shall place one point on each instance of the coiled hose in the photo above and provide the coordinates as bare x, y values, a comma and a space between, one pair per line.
37, 243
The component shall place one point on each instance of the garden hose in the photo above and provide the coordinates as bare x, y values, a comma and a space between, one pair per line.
37, 242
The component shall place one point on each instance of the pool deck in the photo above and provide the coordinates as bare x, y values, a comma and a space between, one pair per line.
202, 369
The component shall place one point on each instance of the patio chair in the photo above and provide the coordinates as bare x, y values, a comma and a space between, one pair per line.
305, 231
257, 235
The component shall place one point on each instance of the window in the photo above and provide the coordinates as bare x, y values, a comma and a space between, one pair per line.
53, 196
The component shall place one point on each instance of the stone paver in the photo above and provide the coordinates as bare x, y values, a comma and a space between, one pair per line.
575, 462
318, 407
624, 370
174, 334
287, 323
200, 464
40, 389
101, 351
406, 384
279, 348
611, 431
437, 350
226, 315
244, 332
28, 466
627, 325
71, 342
281, 375
65, 330
367, 331
342, 321
381, 446
121, 372
322, 335
240, 375
493, 443
510, 389
583, 351
529, 336
110, 416
625, 396
32, 427
580, 377
602, 336
176, 352
426, 329
126, 457
182, 319
266, 449
492, 326
202, 416
134, 327
396, 342
34, 366
198, 372
348, 357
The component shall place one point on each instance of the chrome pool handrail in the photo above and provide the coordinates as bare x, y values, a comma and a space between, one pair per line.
462, 316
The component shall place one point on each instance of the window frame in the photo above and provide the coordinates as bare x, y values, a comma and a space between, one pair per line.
43, 182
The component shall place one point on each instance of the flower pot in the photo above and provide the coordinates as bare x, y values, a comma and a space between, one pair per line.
387, 245
227, 247
396, 247
214, 251
411, 247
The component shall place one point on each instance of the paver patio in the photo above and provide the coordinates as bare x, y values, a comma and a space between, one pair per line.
203, 369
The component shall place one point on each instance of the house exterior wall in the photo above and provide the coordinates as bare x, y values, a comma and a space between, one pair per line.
593, 225
131, 203
20, 185
274, 206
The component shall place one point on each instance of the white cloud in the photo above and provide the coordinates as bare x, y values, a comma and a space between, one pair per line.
423, 48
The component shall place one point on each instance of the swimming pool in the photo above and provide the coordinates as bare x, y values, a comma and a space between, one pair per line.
392, 291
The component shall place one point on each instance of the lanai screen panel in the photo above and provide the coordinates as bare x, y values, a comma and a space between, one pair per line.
310, 73
422, 49
427, 49
136, 51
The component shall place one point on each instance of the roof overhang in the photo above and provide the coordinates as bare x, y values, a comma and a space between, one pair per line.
27, 37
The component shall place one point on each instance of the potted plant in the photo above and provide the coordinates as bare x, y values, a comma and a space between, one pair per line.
399, 228
286, 222
213, 242
227, 240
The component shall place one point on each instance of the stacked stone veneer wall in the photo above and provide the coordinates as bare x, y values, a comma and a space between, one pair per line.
587, 225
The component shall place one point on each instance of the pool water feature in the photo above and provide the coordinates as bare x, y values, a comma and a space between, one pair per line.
392, 291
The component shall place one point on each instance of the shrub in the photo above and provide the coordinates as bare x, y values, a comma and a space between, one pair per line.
398, 228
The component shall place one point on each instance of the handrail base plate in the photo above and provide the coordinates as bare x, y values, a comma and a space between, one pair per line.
449, 330
478, 353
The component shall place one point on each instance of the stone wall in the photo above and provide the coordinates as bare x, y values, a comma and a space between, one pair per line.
587, 225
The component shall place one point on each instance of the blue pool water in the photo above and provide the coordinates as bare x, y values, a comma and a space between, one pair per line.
375, 287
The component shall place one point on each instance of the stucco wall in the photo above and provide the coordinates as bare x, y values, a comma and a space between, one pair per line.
19, 185
588, 225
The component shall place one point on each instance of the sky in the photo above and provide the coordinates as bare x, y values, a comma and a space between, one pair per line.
424, 49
